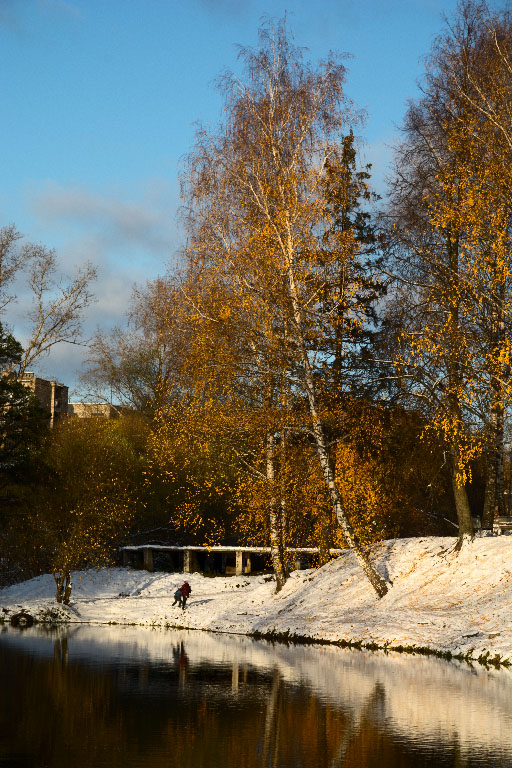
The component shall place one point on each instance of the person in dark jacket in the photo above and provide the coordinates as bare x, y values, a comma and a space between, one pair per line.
185, 590
177, 598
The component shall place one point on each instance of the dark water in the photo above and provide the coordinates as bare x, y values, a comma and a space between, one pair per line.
100, 696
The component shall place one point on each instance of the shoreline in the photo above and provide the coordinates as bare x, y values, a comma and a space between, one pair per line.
284, 638
441, 603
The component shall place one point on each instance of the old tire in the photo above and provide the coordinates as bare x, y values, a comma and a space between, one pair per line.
22, 620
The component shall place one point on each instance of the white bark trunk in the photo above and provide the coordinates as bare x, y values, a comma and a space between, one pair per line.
375, 579
276, 547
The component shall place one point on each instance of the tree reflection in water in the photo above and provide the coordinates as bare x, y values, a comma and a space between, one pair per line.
227, 702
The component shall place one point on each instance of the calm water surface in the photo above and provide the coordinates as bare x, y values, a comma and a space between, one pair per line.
126, 696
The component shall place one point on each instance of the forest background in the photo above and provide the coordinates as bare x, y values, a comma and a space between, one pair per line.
321, 369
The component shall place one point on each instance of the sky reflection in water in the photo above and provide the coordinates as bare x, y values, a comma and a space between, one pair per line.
132, 696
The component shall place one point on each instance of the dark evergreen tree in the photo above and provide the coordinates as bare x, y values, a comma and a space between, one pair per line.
22, 424
361, 280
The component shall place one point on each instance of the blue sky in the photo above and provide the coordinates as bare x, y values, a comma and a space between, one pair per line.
99, 103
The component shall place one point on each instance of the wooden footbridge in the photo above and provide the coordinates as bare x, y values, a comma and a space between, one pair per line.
221, 559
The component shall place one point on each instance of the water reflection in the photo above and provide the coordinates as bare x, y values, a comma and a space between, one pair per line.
130, 696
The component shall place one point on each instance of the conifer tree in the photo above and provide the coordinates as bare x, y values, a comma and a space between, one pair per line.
361, 283
22, 422
257, 217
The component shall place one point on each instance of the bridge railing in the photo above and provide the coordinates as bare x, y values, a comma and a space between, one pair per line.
195, 558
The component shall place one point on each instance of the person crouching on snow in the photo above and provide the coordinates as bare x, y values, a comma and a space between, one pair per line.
185, 590
177, 598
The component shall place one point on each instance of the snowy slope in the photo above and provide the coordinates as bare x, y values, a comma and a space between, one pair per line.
438, 599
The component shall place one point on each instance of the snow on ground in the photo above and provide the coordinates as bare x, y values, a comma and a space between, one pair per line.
438, 599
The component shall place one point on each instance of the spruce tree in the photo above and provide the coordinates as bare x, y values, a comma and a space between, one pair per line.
22, 423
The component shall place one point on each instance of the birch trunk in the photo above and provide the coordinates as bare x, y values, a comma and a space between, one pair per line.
282, 499
67, 589
276, 538
323, 544
374, 577
63, 581
59, 581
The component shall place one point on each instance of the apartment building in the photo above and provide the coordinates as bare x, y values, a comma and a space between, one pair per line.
52, 395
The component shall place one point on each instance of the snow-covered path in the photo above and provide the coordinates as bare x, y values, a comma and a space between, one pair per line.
440, 599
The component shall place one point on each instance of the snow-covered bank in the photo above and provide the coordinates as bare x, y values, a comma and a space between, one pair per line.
442, 600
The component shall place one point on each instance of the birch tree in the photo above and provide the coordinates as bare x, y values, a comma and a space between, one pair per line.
452, 208
482, 41
139, 366
256, 217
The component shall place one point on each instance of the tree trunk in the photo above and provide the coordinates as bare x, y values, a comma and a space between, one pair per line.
59, 581
67, 589
323, 544
490, 490
490, 473
374, 577
282, 498
454, 370
461, 498
494, 501
500, 468
276, 537
63, 581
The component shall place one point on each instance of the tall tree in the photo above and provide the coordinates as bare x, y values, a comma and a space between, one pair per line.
482, 41
54, 304
139, 366
353, 235
87, 500
431, 353
257, 216
434, 258
452, 207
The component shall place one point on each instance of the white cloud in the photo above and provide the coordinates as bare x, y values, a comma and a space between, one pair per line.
145, 225
10, 14
129, 241
222, 7
61, 6
15, 15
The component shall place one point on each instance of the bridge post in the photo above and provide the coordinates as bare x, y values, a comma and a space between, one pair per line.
190, 561
148, 559
126, 559
243, 563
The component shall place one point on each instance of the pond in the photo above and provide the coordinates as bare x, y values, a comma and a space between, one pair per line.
132, 696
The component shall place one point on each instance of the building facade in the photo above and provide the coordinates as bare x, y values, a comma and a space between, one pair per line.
93, 410
52, 395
